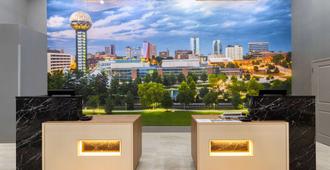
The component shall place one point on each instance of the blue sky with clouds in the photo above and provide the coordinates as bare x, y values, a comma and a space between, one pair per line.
170, 23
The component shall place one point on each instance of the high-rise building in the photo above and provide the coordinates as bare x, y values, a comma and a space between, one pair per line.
58, 61
183, 54
137, 52
194, 44
129, 52
216, 47
164, 54
107, 50
149, 50
111, 50
81, 22
234, 52
256, 47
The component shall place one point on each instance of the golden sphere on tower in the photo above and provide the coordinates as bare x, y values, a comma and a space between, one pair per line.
80, 21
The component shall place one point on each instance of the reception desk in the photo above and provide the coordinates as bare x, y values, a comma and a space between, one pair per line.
235, 145
105, 143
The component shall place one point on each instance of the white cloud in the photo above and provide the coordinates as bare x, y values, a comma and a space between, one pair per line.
180, 32
56, 21
103, 30
110, 18
207, 8
229, 24
62, 34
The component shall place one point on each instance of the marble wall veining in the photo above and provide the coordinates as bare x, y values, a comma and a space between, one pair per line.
299, 111
31, 112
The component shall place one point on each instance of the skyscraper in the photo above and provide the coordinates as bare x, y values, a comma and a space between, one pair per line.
256, 47
234, 52
194, 44
149, 50
216, 47
129, 52
111, 50
137, 53
81, 22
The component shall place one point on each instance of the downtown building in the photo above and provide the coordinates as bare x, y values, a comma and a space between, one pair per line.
148, 51
58, 61
194, 45
111, 50
131, 69
164, 54
257, 48
183, 54
216, 47
234, 52
129, 52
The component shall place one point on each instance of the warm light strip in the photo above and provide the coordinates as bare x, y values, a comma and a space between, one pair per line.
99, 152
231, 152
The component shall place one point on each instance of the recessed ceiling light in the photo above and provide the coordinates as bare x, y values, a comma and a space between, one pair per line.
101, 1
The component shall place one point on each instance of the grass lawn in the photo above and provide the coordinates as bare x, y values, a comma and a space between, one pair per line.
159, 117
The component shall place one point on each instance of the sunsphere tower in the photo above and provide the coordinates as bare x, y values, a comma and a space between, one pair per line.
81, 22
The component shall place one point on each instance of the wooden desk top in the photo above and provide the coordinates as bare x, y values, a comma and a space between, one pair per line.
105, 119
214, 117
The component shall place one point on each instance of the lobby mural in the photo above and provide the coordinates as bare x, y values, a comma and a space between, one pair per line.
168, 59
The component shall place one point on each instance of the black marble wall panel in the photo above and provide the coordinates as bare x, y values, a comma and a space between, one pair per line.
299, 111
31, 112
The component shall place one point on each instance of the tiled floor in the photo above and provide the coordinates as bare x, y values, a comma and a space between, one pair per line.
166, 151
162, 151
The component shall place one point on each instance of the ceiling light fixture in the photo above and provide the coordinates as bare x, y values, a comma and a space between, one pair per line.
102, 2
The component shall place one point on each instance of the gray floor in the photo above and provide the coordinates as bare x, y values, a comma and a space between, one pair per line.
174, 153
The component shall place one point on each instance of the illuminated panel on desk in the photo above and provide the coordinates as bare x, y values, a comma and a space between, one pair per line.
99, 148
230, 148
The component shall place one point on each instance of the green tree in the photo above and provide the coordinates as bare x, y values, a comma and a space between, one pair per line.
231, 65
151, 94
130, 101
167, 101
100, 84
155, 77
93, 101
203, 91
204, 76
253, 87
83, 88
172, 78
56, 80
148, 78
211, 98
181, 78
114, 85
236, 100
167, 80
256, 68
108, 107
192, 76
282, 85
192, 87
277, 59
185, 96
216, 80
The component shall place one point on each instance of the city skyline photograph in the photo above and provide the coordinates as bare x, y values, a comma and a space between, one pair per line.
169, 24
162, 55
